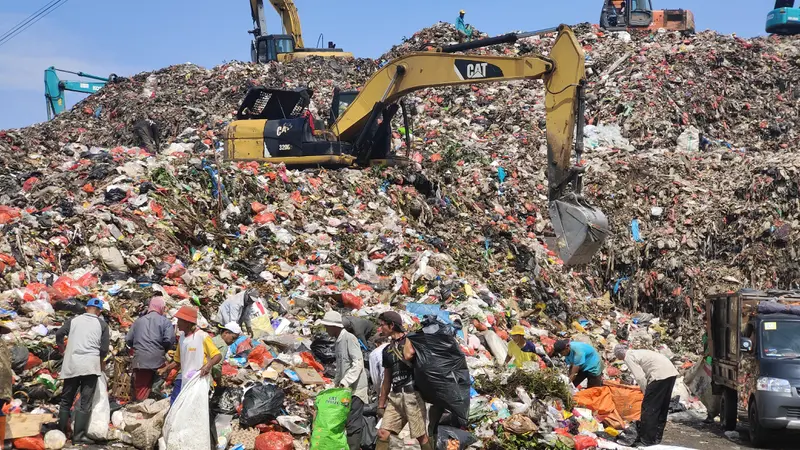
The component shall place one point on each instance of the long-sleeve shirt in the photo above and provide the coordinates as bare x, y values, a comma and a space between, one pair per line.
233, 310
648, 366
363, 329
350, 371
376, 367
460, 25
150, 337
87, 344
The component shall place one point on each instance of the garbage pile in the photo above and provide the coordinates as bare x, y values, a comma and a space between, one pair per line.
127, 197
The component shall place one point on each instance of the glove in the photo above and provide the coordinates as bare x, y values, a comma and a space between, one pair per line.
381, 411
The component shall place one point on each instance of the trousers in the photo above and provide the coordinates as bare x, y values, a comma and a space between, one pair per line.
355, 423
142, 382
655, 408
85, 385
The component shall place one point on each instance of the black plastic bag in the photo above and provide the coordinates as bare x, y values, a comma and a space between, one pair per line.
226, 400
19, 358
261, 404
71, 305
323, 347
444, 434
440, 369
628, 436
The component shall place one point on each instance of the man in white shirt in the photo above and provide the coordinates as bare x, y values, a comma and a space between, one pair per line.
376, 363
655, 374
350, 374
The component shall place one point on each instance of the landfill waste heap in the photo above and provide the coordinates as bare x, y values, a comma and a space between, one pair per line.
689, 147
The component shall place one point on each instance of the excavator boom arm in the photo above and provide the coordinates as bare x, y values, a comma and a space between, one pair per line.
289, 18
562, 72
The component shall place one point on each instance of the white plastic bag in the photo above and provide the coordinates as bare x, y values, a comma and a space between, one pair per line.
54, 440
101, 411
186, 425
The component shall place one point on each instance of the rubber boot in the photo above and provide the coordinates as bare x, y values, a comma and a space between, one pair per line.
81, 427
382, 445
63, 420
427, 446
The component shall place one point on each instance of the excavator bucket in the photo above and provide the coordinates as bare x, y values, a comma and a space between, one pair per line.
580, 229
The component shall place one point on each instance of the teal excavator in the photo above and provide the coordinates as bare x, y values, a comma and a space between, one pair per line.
784, 19
54, 88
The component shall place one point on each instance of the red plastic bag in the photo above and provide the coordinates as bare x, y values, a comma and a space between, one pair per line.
28, 184
64, 288
7, 214
176, 271
264, 217
32, 291
583, 442
33, 361
88, 280
29, 443
259, 355
273, 440
244, 346
257, 207
174, 291
352, 301
228, 370
308, 358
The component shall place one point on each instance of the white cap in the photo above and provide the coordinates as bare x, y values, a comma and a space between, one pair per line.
233, 327
332, 319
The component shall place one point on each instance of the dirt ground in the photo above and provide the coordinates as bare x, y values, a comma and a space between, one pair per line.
701, 436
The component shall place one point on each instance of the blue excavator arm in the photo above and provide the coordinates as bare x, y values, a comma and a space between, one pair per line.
54, 88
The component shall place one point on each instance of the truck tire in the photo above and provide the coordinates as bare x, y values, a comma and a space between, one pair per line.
758, 435
728, 409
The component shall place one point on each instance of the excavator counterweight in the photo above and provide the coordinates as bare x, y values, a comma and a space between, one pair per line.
361, 133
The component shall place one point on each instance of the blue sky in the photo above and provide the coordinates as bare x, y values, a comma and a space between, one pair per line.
127, 37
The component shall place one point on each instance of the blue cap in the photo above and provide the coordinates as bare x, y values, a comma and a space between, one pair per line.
96, 302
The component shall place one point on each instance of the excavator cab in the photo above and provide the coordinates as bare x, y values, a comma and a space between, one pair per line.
268, 48
625, 15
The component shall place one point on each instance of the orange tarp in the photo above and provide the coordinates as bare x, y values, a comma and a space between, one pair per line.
614, 404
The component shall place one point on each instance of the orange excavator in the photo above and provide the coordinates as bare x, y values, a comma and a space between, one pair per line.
627, 15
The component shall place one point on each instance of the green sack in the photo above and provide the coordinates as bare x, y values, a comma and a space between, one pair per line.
333, 407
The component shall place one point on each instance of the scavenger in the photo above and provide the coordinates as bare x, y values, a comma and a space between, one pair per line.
521, 350
655, 374
87, 346
150, 337
584, 362
350, 373
399, 403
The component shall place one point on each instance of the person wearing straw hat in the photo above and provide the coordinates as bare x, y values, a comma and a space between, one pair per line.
6, 376
86, 349
350, 373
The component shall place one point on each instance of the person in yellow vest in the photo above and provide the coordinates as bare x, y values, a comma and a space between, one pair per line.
521, 350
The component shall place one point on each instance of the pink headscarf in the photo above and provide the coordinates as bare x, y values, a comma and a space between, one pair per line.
157, 304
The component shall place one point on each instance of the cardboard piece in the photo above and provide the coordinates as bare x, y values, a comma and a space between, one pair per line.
26, 425
309, 376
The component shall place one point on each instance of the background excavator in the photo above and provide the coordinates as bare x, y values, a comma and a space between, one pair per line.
283, 47
784, 19
626, 15
272, 126
54, 88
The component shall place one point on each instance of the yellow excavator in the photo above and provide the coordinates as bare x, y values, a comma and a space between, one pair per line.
283, 47
273, 125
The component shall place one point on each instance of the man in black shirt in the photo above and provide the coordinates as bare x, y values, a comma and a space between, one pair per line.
399, 403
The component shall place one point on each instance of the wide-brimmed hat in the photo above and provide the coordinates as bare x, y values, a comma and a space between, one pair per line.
331, 319
187, 313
